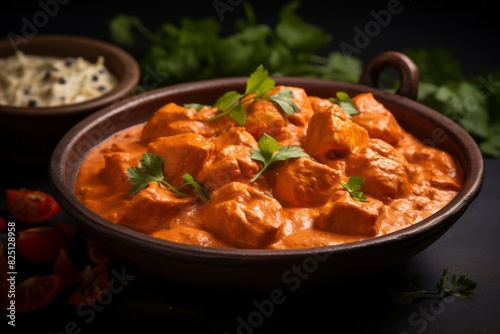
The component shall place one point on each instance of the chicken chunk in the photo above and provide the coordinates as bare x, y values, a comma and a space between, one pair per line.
182, 153
376, 119
243, 216
344, 215
304, 182
302, 117
231, 159
321, 104
329, 136
386, 172
158, 203
115, 167
173, 119
438, 167
263, 116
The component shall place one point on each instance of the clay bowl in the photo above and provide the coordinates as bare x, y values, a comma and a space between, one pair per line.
29, 135
268, 269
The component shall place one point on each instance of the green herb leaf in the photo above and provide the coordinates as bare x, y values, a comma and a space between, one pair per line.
195, 106
284, 100
151, 170
270, 151
191, 181
413, 289
258, 84
353, 186
460, 287
345, 102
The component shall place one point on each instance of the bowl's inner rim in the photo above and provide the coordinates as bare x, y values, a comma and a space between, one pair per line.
63, 182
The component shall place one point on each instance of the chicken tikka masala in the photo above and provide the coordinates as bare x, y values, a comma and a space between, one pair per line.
349, 178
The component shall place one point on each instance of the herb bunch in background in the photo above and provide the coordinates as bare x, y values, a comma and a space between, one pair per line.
196, 50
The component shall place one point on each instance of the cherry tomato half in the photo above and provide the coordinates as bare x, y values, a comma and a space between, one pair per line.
31, 206
64, 266
38, 291
42, 244
94, 285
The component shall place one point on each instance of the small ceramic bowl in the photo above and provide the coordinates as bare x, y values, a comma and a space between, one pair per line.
29, 134
268, 269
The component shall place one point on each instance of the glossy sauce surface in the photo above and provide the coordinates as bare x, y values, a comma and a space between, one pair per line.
297, 203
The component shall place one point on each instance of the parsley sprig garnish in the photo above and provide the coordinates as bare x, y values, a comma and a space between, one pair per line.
270, 151
258, 86
151, 169
344, 101
460, 287
353, 186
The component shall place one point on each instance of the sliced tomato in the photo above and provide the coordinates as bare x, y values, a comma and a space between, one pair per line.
31, 206
94, 286
65, 267
42, 244
38, 291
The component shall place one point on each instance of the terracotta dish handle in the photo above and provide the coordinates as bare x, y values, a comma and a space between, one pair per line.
407, 69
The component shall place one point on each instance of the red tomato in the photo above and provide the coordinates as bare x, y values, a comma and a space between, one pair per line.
64, 266
31, 206
37, 291
94, 286
42, 244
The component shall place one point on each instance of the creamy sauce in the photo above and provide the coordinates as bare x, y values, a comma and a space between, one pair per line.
44, 81
297, 203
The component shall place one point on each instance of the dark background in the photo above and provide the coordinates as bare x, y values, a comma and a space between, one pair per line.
469, 30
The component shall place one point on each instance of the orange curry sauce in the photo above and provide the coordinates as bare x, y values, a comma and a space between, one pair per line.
297, 203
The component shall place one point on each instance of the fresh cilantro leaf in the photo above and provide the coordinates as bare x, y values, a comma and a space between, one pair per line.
345, 102
413, 290
228, 100
191, 181
270, 151
284, 99
353, 186
258, 85
259, 82
151, 170
460, 287
195, 106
